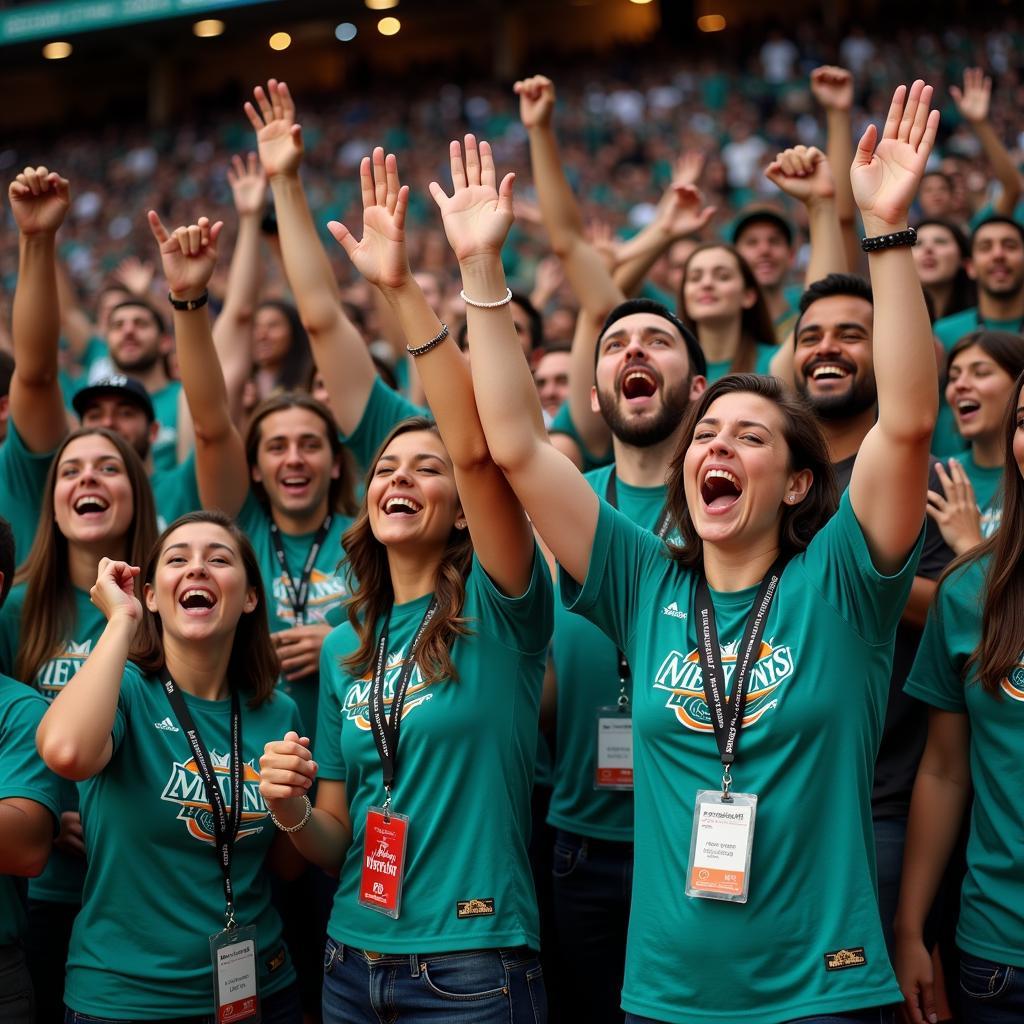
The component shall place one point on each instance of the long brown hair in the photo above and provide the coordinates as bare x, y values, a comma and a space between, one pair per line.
1002, 613
755, 323
807, 450
341, 491
253, 663
370, 583
48, 614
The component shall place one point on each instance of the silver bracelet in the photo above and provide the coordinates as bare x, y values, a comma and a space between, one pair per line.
433, 343
486, 305
301, 824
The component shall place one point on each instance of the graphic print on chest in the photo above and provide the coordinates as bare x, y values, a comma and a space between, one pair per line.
357, 699
1014, 685
326, 592
54, 675
680, 677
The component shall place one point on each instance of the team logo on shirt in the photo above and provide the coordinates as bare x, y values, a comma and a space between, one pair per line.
185, 788
357, 700
681, 678
326, 592
1014, 685
54, 675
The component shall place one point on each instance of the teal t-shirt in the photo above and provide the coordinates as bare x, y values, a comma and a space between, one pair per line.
328, 589
587, 673
165, 405
22, 483
762, 363
987, 482
812, 727
384, 408
23, 775
175, 490
154, 893
992, 898
464, 773
61, 881
563, 424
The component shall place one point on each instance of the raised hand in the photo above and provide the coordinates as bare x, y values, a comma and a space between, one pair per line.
278, 137
39, 200
804, 173
600, 235
380, 255
687, 168
287, 768
680, 211
973, 100
477, 216
248, 185
189, 255
114, 591
135, 274
832, 87
955, 511
885, 176
536, 101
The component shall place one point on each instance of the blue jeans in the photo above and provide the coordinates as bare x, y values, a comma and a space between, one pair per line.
879, 1015
479, 986
890, 839
593, 880
17, 1005
990, 993
282, 1007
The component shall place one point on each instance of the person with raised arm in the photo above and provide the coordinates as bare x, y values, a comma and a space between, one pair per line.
741, 640
447, 635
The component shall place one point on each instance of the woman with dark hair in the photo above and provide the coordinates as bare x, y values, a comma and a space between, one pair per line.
941, 256
741, 644
981, 372
281, 356
722, 303
448, 628
970, 671
165, 749
97, 503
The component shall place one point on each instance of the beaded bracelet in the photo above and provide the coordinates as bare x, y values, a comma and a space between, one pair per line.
433, 343
486, 305
187, 305
301, 824
892, 241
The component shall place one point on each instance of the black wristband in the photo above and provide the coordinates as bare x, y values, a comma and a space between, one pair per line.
892, 241
187, 305
432, 344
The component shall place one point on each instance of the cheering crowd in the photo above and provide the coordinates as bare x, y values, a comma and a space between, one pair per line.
646, 647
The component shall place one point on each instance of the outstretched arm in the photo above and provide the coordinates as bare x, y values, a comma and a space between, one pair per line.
189, 256
39, 201
973, 103
889, 486
341, 355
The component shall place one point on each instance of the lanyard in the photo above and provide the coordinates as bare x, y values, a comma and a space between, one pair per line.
611, 495
385, 729
298, 597
728, 721
225, 822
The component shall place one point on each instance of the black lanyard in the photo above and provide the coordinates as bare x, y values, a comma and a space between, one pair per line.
298, 597
611, 495
385, 729
727, 722
225, 823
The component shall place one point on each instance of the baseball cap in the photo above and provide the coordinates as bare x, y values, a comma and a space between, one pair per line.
119, 386
755, 214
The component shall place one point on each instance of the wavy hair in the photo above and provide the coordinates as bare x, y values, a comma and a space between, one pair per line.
369, 580
807, 450
48, 614
253, 664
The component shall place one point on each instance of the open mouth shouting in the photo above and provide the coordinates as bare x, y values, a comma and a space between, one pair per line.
90, 506
827, 370
295, 484
719, 490
967, 409
401, 505
197, 601
638, 383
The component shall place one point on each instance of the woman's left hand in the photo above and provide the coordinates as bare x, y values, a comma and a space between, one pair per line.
478, 215
885, 177
956, 512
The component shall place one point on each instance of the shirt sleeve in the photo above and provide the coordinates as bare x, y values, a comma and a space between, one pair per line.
130, 683
624, 561
563, 424
22, 771
384, 408
329, 716
22, 484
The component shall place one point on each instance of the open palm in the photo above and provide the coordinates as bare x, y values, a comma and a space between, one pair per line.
278, 137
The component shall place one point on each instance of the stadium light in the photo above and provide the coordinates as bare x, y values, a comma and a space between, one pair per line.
280, 41
57, 51
345, 32
639, 1
381, 5
711, 23
388, 26
208, 28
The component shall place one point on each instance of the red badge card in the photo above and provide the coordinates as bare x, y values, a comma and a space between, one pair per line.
380, 887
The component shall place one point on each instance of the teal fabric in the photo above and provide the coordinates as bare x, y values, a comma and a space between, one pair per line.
384, 408
165, 405
987, 483
563, 424
762, 363
22, 484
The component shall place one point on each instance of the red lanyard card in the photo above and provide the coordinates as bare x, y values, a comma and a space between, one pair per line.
380, 887
235, 976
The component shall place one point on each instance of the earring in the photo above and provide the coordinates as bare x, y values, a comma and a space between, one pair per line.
791, 499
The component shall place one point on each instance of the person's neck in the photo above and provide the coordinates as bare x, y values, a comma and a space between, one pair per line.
84, 560
729, 569
199, 668
153, 380
775, 297
644, 467
266, 380
413, 574
1001, 307
940, 293
294, 524
844, 437
720, 339
988, 452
